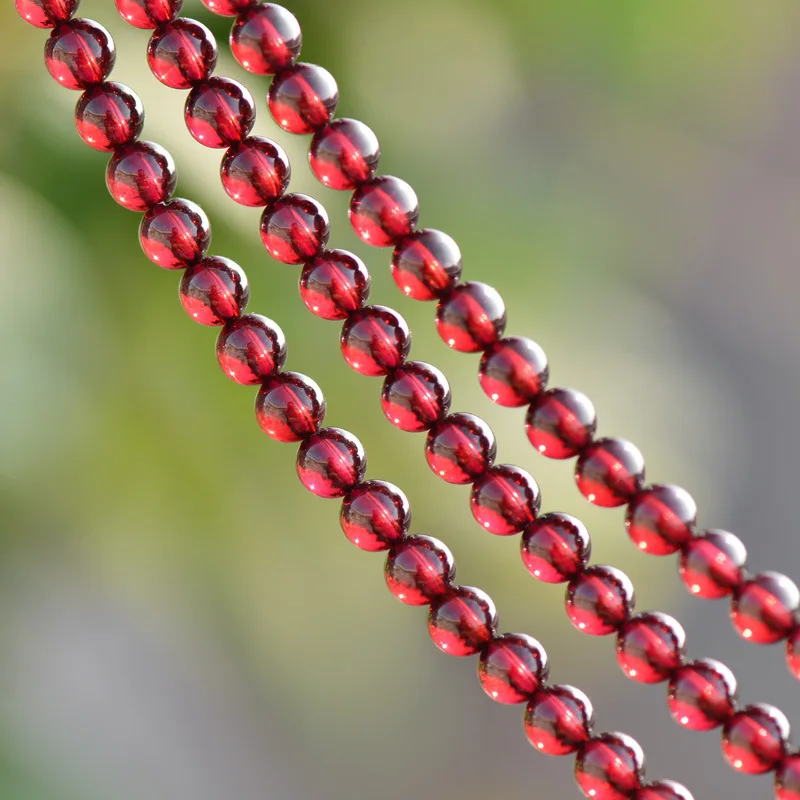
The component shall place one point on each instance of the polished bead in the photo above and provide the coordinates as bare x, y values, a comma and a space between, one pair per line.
344, 154
175, 233
335, 284
463, 622
219, 112
600, 600
560, 423
46, 13
419, 569
764, 608
148, 13
227, 8
383, 211
303, 98
214, 291
702, 695
660, 519
609, 472
79, 53
505, 499
255, 172
793, 652
182, 53
460, 448
513, 371
713, 564
415, 396
375, 515
141, 174
650, 647
331, 462
559, 720
787, 778
610, 767
471, 317
290, 407
754, 739
512, 668
663, 790
109, 115
555, 547
294, 228
250, 349
426, 264
266, 39
375, 340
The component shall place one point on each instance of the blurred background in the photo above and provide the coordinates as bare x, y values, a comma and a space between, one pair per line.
179, 618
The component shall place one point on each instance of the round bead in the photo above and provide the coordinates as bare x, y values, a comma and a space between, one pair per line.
471, 317
219, 112
793, 652
175, 233
650, 647
375, 340
214, 291
415, 396
713, 564
375, 515
294, 229
660, 519
513, 371
560, 423
266, 39
609, 472
227, 8
335, 284
46, 13
383, 211
512, 668
108, 116
764, 608
754, 739
505, 499
663, 790
426, 264
148, 13
141, 174
559, 720
463, 622
419, 569
702, 695
555, 547
79, 53
182, 53
251, 349
303, 98
344, 154
610, 767
787, 779
331, 462
600, 600
460, 448
255, 172
290, 407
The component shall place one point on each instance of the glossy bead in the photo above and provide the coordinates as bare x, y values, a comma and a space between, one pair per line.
344, 154
175, 233
148, 13
460, 448
290, 407
303, 98
793, 652
227, 8
609, 472
214, 291
141, 174
512, 668
375, 340
334, 284
294, 229
108, 116
660, 519
46, 13
375, 515
79, 53
471, 317
650, 647
560, 423
463, 622
266, 39
764, 608
754, 739
383, 211
702, 695
255, 172
559, 720
713, 564
331, 462
787, 778
600, 600
426, 264
182, 53
219, 112
513, 371
555, 547
251, 349
505, 499
419, 569
663, 790
415, 396
610, 767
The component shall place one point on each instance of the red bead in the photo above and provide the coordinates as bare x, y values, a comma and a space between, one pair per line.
182, 53
331, 462
609, 472
255, 172
46, 13
513, 371
764, 608
787, 779
108, 116
227, 8
512, 668
375, 340
600, 600
754, 739
702, 695
294, 229
141, 174
426, 264
290, 407
559, 720
418, 570
505, 499
663, 790
713, 564
660, 519
383, 211
266, 39
375, 515
79, 53
214, 291
303, 98
460, 448
335, 284
175, 233
461, 623
610, 767
560, 423
793, 652
250, 349
555, 547
344, 154
650, 647
415, 396
471, 317
219, 112
148, 13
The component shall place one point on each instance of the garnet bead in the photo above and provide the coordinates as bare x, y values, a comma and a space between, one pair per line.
250, 349
182, 53
303, 98
227, 8
79, 53
46, 13
513, 371
754, 739
559, 720
600, 600
505, 499
660, 519
463, 622
265, 39
415, 396
419, 569
108, 116
713, 564
426, 264
214, 291
764, 608
294, 228
141, 174
175, 233
148, 13
255, 172
331, 462
471, 317
793, 652
290, 407
335, 284
787, 779
650, 647
512, 668
344, 154
375, 515
219, 112
560, 423
610, 767
375, 340
702, 695
609, 472
383, 211
663, 790
555, 547
460, 448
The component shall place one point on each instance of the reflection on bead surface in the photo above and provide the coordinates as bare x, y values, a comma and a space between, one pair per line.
663, 790
558, 720
650, 647
46, 13
661, 519
182, 53
303, 98
419, 569
290, 407
609, 472
513, 371
610, 767
375, 340
265, 39
415, 396
108, 116
460, 448
561, 422
214, 291
600, 600
175, 234
471, 317
79, 53
383, 211
148, 13
141, 174
555, 547
713, 564
426, 264
505, 499
255, 172
754, 739
461, 623
375, 515
250, 349
787, 779
294, 228
227, 8
764, 608
331, 462
702, 695
512, 668
334, 284
219, 112
344, 154
793, 652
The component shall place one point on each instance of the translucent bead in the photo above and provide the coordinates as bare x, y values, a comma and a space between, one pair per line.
302, 99
713, 564
471, 317
754, 740
290, 407
375, 340
141, 174
335, 284
331, 462
227, 8
463, 622
555, 547
650, 647
702, 695
600, 600
559, 720
560, 423
265, 39
295, 229
609, 472
344, 154
787, 778
175, 233
415, 396
375, 515
764, 608
505, 499
610, 767
661, 519
108, 116
148, 13
460, 448
426, 264
79, 53
251, 349
219, 112
419, 569
512, 668
513, 371
663, 790
46, 13
182, 53
255, 172
383, 211
793, 652
214, 291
